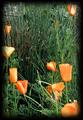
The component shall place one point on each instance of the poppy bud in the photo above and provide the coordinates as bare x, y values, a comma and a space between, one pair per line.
22, 86
71, 9
13, 75
7, 29
51, 66
7, 51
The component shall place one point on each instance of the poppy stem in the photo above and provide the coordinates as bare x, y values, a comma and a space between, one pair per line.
52, 77
38, 75
21, 76
43, 82
33, 101
45, 91
39, 111
62, 60
66, 92
56, 107
5, 106
7, 74
7, 66
14, 94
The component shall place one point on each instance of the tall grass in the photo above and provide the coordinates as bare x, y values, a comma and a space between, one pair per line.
41, 33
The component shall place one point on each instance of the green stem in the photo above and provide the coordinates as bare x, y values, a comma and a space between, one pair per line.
45, 91
34, 108
7, 81
53, 77
39, 111
44, 82
66, 87
51, 99
7, 66
5, 107
62, 59
57, 107
21, 76
33, 101
14, 94
38, 76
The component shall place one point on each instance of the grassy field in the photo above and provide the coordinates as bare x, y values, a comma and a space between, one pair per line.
40, 34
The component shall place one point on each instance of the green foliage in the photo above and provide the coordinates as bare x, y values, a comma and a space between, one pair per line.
41, 33
14, 61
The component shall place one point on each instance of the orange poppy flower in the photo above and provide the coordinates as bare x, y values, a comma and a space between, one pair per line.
51, 66
66, 72
7, 29
22, 86
56, 89
7, 51
58, 86
49, 89
71, 9
13, 75
70, 109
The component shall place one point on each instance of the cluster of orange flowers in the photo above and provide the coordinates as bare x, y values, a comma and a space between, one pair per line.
7, 52
66, 74
20, 84
65, 70
69, 109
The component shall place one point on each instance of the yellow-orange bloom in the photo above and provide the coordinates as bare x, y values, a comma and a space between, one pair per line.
56, 89
66, 72
22, 86
49, 89
51, 66
13, 75
71, 9
58, 86
70, 109
7, 51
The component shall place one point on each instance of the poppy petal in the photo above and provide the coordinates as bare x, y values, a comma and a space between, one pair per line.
66, 72
70, 109
58, 86
51, 66
7, 29
22, 86
13, 75
7, 51
71, 9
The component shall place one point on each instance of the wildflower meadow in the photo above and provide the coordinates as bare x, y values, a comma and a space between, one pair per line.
41, 60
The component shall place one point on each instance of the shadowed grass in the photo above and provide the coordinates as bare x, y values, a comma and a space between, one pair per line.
41, 33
